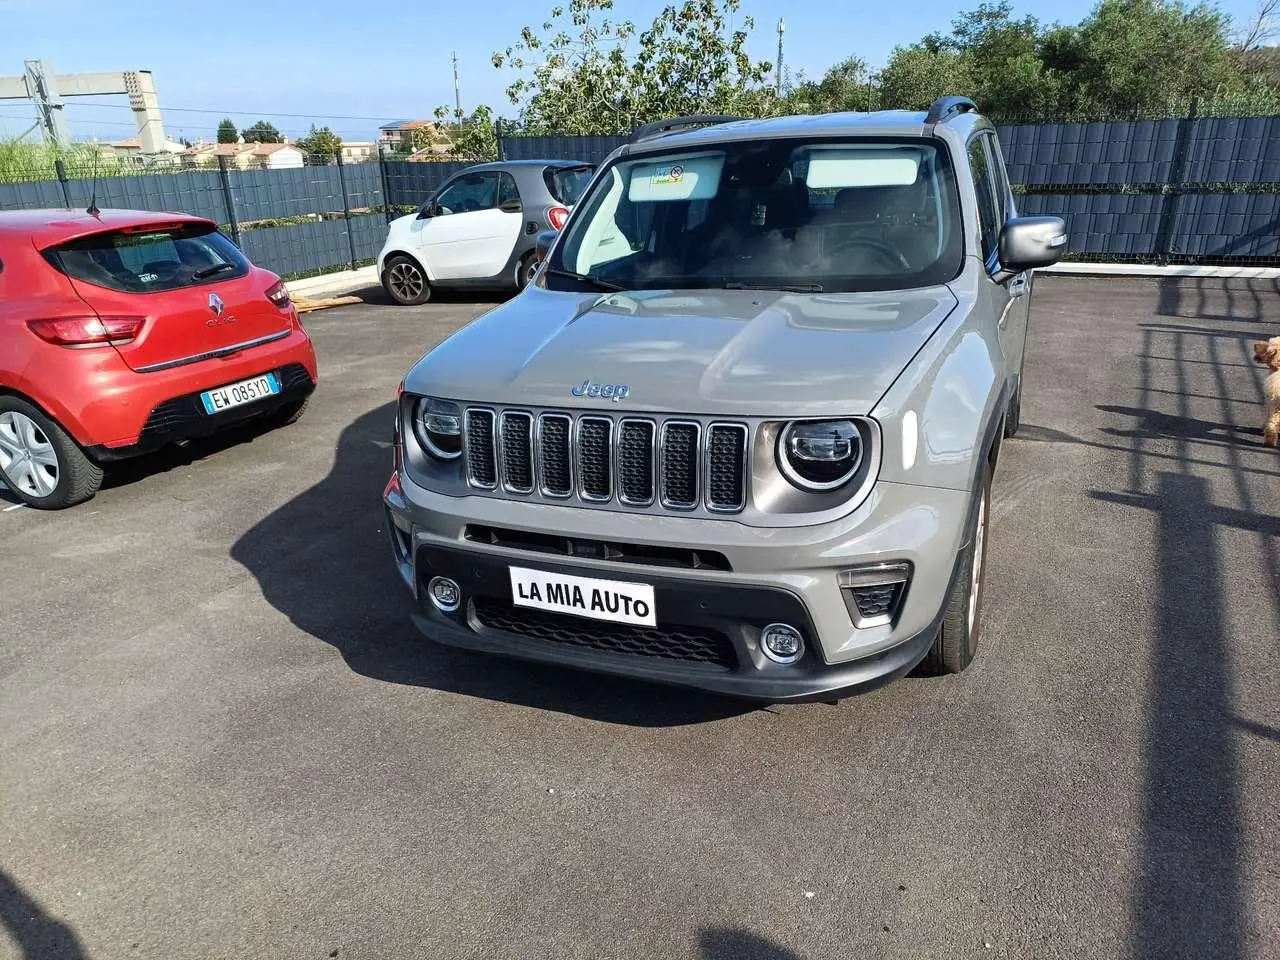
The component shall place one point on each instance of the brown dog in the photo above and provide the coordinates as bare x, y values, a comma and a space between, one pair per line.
1267, 353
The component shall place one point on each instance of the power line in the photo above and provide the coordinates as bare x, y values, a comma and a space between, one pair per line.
225, 111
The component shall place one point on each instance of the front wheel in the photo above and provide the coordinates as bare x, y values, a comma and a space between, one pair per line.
405, 281
957, 640
39, 462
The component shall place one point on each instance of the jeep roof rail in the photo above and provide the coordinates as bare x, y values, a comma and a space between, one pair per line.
944, 108
658, 128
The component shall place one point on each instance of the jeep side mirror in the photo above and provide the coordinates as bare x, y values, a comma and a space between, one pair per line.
428, 210
542, 246
1030, 242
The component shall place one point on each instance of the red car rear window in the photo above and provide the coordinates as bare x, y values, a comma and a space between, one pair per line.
146, 260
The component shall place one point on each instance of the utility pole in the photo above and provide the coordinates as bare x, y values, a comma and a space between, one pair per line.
457, 95
782, 27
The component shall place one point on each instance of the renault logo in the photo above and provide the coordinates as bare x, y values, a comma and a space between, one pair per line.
216, 304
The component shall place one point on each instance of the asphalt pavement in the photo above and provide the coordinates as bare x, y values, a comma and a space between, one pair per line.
221, 737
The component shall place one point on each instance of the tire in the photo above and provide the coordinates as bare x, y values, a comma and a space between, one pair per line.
957, 641
526, 269
290, 413
405, 281
39, 462
1013, 416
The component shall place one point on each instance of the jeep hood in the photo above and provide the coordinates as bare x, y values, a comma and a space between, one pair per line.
713, 352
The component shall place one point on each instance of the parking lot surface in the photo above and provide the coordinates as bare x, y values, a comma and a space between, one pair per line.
220, 736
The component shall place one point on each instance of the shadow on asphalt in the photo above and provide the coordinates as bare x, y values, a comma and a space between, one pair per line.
719, 943
324, 561
37, 935
1189, 897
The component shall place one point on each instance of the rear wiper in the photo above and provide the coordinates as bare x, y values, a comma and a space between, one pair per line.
788, 287
210, 271
596, 282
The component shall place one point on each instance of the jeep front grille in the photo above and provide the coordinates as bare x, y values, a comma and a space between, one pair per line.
678, 464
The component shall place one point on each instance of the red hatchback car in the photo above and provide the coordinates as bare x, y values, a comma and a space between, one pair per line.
122, 331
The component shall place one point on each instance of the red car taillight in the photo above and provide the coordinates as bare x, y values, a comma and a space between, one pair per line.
278, 294
83, 331
557, 216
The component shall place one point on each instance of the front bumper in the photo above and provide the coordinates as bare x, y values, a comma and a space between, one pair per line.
786, 575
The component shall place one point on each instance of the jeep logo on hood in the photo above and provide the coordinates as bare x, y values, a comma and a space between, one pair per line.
616, 392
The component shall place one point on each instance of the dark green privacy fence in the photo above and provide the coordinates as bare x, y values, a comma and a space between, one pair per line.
1185, 190
1188, 190
305, 220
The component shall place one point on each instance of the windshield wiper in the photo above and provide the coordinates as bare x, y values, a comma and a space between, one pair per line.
788, 287
210, 271
596, 282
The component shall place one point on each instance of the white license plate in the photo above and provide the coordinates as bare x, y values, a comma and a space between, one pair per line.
238, 394
609, 600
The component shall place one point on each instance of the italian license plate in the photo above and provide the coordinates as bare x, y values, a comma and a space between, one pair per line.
610, 600
238, 394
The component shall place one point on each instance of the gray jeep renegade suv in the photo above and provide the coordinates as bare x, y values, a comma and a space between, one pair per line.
740, 432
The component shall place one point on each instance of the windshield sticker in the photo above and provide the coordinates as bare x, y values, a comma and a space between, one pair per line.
672, 174
685, 178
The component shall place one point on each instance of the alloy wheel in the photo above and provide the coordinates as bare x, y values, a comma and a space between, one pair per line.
406, 280
975, 585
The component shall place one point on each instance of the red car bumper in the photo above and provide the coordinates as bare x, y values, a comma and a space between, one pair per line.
116, 412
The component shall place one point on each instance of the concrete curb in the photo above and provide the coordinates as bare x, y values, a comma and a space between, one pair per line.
328, 284
1151, 270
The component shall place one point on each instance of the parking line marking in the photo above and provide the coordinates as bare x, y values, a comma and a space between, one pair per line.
16, 506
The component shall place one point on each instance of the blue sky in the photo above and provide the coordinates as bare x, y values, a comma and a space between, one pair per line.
335, 59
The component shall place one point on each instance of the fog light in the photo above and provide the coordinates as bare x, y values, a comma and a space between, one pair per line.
445, 594
782, 643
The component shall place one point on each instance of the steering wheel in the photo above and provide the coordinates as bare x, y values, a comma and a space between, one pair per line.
888, 254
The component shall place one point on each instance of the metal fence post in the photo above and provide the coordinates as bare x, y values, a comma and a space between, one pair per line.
385, 175
1172, 198
346, 210
60, 169
497, 133
228, 201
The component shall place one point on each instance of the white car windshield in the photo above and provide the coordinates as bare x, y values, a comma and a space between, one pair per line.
788, 214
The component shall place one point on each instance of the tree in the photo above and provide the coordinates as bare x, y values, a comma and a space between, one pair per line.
227, 132
262, 132
474, 137
323, 142
915, 76
845, 86
1127, 58
586, 73
1140, 57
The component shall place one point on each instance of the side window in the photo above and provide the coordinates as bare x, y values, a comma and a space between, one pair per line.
507, 189
475, 191
988, 215
1000, 178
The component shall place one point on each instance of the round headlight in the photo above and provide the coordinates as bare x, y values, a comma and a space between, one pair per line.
439, 428
820, 455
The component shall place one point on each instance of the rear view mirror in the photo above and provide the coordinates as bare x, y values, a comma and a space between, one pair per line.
542, 246
1030, 242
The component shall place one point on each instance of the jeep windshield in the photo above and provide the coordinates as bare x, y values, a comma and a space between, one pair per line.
784, 214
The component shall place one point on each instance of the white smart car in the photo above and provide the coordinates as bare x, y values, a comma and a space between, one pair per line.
480, 228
